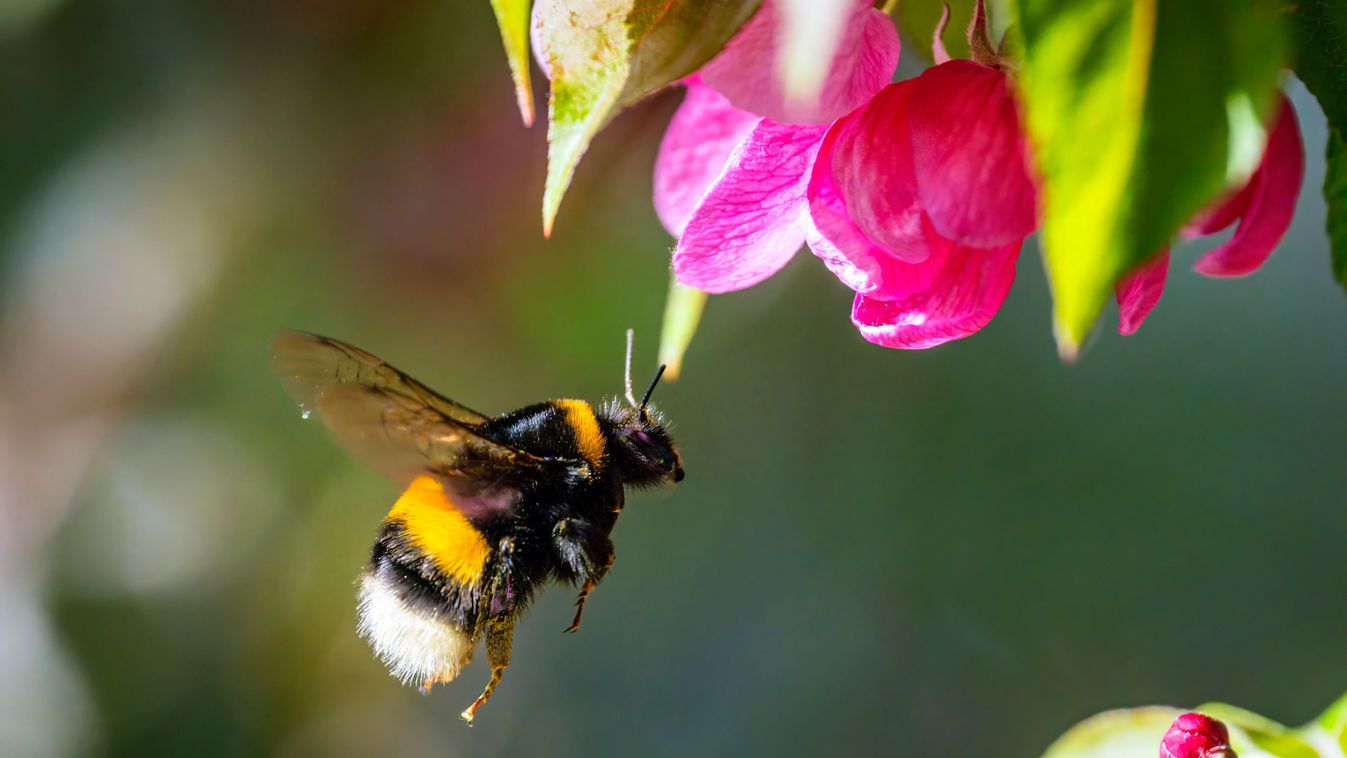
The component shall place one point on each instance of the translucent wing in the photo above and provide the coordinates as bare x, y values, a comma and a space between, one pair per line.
391, 421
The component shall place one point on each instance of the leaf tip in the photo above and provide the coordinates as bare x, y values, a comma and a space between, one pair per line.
551, 204
1068, 342
526, 114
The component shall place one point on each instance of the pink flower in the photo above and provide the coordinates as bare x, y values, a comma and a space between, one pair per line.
730, 180
1196, 736
921, 201
1264, 207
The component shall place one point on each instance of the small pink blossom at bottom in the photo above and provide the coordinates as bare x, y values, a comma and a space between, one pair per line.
1193, 735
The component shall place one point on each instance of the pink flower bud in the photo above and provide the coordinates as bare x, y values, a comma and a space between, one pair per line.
1193, 735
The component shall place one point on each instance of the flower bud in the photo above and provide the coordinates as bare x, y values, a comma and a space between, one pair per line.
1193, 735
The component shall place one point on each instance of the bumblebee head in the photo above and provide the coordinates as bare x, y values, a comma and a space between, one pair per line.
645, 453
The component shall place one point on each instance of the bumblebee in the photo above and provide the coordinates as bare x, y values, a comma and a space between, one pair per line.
494, 508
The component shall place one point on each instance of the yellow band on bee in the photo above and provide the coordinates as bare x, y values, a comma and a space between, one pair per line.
588, 437
432, 523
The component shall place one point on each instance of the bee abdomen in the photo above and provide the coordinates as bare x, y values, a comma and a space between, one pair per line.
419, 644
419, 599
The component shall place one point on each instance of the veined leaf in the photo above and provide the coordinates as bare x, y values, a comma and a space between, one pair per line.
1329, 731
1320, 32
1141, 113
1319, 29
1335, 194
605, 54
512, 16
682, 313
1254, 736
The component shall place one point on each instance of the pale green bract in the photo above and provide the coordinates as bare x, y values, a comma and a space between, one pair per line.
682, 312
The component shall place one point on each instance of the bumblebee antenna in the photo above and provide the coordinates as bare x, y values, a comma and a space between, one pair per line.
651, 389
631, 333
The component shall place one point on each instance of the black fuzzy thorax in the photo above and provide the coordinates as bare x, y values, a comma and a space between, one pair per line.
569, 488
528, 548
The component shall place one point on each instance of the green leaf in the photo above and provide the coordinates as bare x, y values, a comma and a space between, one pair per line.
1141, 113
1129, 733
682, 312
917, 20
1253, 736
1319, 29
606, 54
512, 16
1329, 731
1335, 194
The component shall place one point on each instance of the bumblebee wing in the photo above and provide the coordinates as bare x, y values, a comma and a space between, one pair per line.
389, 420
311, 363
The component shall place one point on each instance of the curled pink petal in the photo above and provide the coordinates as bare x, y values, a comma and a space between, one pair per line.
1273, 192
752, 219
969, 155
832, 234
746, 70
699, 140
863, 196
965, 294
1139, 291
1220, 215
845, 251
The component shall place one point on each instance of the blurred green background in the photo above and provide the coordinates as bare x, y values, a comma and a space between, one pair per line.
956, 552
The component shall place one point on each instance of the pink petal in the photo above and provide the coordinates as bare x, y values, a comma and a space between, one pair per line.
746, 70
1221, 214
844, 249
863, 197
969, 155
699, 140
965, 294
1139, 291
752, 219
1274, 189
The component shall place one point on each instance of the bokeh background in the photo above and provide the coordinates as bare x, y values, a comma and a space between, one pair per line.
956, 552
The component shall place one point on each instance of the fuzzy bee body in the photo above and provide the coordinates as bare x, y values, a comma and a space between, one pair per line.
494, 507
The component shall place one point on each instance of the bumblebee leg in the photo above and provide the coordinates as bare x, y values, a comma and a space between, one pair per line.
499, 640
590, 584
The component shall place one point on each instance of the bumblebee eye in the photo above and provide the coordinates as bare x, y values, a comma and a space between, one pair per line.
643, 438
